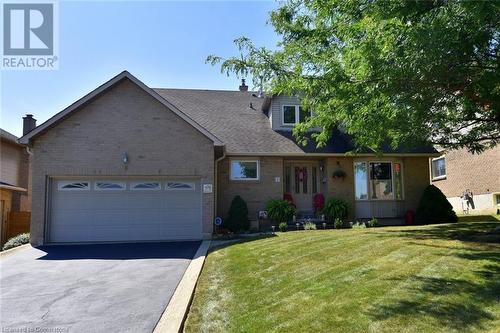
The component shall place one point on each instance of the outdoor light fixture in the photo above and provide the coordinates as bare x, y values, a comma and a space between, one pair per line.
324, 225
125, 158
273, 227
297, 224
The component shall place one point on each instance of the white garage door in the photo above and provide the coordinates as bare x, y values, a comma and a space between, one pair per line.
95, 210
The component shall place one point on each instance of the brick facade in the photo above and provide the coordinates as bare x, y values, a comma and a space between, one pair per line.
124, 119
258, 193
479, 173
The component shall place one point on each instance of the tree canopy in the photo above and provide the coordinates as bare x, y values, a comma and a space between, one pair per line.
386, 71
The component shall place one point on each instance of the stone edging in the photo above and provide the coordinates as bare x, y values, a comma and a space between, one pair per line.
14, 250
172, 319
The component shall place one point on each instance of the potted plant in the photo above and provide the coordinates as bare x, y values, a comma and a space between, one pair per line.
281, 211
339, 174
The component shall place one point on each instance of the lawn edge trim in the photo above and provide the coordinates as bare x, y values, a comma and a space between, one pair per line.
174, 315
8, 252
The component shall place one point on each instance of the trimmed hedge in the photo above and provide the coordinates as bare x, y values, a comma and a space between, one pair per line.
237, 217
434, 208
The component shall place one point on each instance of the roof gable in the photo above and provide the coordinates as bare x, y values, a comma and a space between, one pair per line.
104, 87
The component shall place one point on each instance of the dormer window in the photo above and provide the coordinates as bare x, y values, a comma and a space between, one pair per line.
293, 114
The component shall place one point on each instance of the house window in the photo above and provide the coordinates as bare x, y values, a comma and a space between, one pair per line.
398, 181
360, 180
109, 186
381, 181
289, 115
146, 186
179, 186
438, 167
292, 114
244, 170
73, 186
378, 181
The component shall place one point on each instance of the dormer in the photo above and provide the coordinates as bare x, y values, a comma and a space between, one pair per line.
284, 112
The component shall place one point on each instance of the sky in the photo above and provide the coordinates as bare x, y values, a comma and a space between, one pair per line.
162, 43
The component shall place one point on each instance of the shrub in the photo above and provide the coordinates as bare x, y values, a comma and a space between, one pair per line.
237, 219
434, 208
309, 226
338, 223
17, 241
372, 223
358, 225
336, 209
280, 210
282, 226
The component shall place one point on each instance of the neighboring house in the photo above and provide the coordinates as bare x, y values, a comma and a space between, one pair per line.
131, 163
458, 172
15, 190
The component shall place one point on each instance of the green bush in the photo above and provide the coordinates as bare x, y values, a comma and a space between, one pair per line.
283, 226
309, 226
358, 225
336, 209
338, 223
434, 208
372, 223
17, 241
237, 219
280, 210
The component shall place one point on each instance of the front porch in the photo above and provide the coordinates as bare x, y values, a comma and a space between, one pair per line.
372, 189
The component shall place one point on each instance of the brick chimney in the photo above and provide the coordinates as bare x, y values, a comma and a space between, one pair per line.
29, 123
243, 86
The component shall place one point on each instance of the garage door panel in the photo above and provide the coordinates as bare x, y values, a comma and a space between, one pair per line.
125, 214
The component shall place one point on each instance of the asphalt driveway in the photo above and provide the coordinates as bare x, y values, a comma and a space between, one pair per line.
90, 288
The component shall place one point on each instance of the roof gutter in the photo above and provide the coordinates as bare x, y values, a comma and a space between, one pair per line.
332, 154
215, 177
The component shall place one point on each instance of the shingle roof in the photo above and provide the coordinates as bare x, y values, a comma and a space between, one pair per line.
247, 130
8, 136
227, 114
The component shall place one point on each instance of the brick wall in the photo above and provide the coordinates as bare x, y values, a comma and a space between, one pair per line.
125, 119
478, 173
255, 193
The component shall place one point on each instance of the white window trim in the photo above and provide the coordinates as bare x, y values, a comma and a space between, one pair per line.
243, 179
62, 183
133, 184
193, 186
392, 180
122, 184
432, 168
297, 115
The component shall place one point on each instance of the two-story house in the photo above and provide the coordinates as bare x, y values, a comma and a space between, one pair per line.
130, 163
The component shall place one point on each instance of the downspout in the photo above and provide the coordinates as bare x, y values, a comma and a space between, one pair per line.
215, 178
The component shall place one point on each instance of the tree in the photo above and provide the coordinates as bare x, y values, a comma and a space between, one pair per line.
394, 72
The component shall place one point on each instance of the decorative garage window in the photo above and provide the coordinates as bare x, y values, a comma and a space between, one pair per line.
179, 186
73, 186
146, 186
109, 186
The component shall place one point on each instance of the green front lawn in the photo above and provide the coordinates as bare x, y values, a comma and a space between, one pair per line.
442, 278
